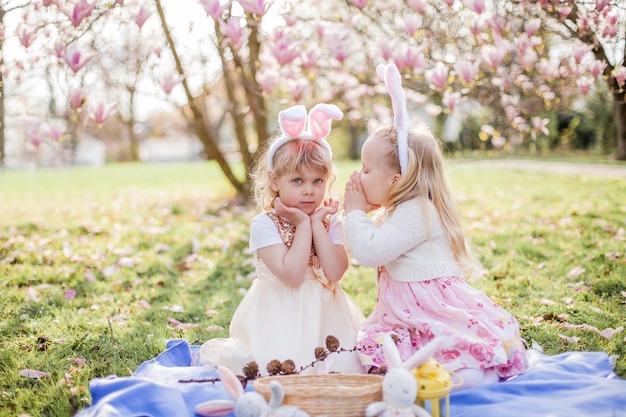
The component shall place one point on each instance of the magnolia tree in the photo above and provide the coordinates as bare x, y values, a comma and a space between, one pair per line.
517, 60
240, 60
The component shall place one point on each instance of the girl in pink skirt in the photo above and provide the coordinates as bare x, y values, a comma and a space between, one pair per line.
422, 257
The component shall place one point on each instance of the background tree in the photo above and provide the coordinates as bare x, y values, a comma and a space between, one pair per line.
514, 63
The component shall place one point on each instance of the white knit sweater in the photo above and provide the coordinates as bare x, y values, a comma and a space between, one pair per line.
403, 243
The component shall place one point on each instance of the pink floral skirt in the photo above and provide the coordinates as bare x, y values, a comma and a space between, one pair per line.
478, 332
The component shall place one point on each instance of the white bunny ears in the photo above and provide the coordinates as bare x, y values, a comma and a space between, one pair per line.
391, 76
394, 360
292, 122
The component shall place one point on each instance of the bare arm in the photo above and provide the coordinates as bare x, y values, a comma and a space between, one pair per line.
333, 258
289, 264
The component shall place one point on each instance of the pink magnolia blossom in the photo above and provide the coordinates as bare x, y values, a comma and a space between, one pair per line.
548, 69
290, 19
33, 134
214, 8
298, 88
387, 47
267, 81
409, 56
477, 27
340, 50
257, 7
595, 67
532, 26
410, 24
564, 11
579, 51
449, 2
142, 15
492, 56
101, 112
26, 35
450, 99
56, 129
359, 3
310, 58
620, 75
49, 2
477, 6
418, 5
610, 28
497, 24
601, 4
58, 48
539, 125
466, 70
77, 96
169, 81
437, 76
235, 32
585, 84
75, 58
583, 22
79, 11
283, 49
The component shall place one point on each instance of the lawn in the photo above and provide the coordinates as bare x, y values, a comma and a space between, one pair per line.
101, 266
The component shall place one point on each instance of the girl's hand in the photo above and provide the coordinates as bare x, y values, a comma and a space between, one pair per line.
294, 215
355, 196
331, 206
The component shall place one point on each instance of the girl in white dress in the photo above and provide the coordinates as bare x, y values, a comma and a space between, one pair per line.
296, 300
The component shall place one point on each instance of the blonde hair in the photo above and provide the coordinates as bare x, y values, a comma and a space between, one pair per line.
425, 178
289, 159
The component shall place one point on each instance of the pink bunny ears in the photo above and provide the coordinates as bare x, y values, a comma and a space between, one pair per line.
391, 76
292, 122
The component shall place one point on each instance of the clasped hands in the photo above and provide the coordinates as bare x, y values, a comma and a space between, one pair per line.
297, 216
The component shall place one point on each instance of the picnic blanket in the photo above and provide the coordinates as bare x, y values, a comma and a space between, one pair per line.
571, 384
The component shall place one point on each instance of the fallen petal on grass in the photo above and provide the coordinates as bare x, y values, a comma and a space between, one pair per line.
33, 373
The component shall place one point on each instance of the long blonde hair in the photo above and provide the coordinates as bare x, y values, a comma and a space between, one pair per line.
289, 159
425, 178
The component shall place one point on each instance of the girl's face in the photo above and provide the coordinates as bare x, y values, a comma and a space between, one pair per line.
376, 175
304, 189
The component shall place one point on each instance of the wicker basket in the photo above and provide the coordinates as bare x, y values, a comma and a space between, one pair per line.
336, 395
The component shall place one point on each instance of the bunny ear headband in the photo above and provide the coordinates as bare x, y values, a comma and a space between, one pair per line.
390, 75
292, 122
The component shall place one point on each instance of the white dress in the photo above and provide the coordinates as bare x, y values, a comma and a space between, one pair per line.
275, 321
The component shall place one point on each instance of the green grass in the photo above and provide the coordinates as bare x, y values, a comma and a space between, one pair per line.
145, 247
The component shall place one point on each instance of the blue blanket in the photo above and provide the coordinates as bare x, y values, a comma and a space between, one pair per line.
572, 384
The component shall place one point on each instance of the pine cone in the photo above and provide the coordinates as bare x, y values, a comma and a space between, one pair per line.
273, 367
288, 367
320, 353
332, 343
251, 370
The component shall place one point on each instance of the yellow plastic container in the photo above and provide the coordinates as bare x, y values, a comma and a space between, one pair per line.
433, 384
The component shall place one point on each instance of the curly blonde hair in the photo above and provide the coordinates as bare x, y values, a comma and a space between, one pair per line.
289, 159
425, 178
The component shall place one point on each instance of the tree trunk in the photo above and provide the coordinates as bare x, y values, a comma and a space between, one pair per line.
2, 115
2, 119
620, 120
134, 140
204, 134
